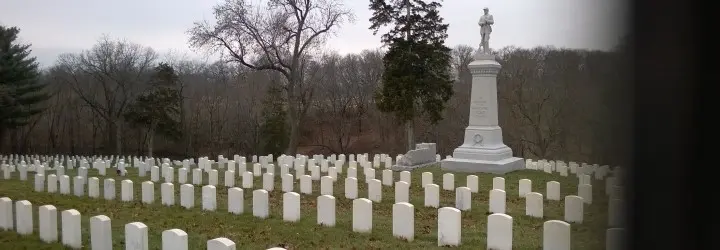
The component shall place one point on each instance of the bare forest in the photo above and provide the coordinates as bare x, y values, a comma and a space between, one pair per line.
563, 104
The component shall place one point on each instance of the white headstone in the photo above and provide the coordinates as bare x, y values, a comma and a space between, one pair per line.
326, 210
449, 226
306, 184
48, 224
497, 201
427, 178
229, 178
52, 183
148, 192
534, 205
247, 180
94, 187
64, 184
126, 190
197, 176
24, 217
154, 174
406, 176
574, 209
109, 189
213, 177
287, 183
432, 195
209, 198
291, 206
351, 188
362, 215
403, 221
463, 200
473, 183
448, 182
100, 232
332, 172
6, 214
167, 193
352, 172
257, 169
553, 190
585, 191
136, 236
236, 201
556, 235
375, 190
39, 182
187, 196
260, 204
402, 192
221, 244
499, 183
387, 177
369, 174
174, 239
524, 187
71, 233
499, 231
79, 186
268, 181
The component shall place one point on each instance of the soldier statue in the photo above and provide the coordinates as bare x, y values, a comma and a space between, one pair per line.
486, 22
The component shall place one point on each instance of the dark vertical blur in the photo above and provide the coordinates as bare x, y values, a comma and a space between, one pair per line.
663, 214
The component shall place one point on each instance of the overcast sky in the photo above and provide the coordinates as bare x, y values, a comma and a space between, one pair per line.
58, 26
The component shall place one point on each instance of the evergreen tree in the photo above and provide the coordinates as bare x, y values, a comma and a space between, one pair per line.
274, 131
21, 92
157, 110
417, 80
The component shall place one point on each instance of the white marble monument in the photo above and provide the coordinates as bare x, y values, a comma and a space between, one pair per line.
483, 149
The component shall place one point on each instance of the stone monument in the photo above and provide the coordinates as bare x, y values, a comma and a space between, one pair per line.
422, 156
483, 149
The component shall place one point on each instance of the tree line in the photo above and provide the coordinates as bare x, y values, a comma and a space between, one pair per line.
119, 97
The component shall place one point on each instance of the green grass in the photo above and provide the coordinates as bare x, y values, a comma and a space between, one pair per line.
249, 232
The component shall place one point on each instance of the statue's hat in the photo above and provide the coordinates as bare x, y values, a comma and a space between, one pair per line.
486, 8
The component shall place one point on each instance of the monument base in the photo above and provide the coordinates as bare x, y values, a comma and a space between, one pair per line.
481, 166
410, 168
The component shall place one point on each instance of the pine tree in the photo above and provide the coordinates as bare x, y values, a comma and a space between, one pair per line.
417, 81
157, 110
274, 131
21, 92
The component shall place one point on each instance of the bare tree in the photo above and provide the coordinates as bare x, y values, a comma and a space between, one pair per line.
107, 78
273, 38
462, 56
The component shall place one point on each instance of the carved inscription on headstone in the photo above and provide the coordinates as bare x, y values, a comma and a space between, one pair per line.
479, 108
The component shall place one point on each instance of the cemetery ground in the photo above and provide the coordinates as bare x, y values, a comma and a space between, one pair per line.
249, 232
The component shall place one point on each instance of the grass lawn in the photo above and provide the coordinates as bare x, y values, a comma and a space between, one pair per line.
249, 232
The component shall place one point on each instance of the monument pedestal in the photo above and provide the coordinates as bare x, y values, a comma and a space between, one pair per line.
483, 150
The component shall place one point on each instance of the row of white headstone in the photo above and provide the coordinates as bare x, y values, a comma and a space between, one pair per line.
556, 234
599, 172
402, 189
136, 233
534, 201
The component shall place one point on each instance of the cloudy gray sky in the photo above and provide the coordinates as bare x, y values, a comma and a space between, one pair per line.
58, 26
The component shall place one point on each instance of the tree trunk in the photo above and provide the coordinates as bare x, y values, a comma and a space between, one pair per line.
294, 136
409, 126
151, 138
294, 121
3, 131
118, 138
112, 137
